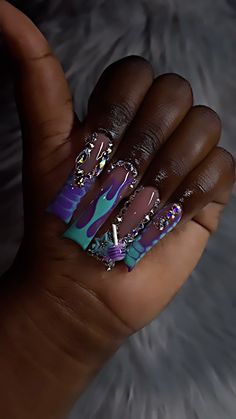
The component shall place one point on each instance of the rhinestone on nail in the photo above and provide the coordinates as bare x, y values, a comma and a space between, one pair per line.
164, 221
127, 166
79, 177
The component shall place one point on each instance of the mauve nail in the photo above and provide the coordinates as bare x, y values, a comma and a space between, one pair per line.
100, 146
140, 207
88, 165
96, 213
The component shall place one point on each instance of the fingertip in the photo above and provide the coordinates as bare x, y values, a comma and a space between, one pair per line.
20, 33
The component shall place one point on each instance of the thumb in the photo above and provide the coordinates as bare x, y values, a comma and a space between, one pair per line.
44, 100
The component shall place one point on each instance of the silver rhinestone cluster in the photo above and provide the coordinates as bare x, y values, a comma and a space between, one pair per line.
79, 176
134, 233
186, 194
171, 214
127, 166
98, 249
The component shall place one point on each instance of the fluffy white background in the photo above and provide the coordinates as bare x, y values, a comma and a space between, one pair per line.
182, 366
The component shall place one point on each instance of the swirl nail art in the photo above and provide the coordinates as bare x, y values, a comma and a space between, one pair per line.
122, 175
163, 222
88, 166
132, 218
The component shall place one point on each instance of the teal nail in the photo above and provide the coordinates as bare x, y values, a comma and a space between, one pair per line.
93, 217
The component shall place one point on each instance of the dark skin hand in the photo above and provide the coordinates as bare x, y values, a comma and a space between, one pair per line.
62, 315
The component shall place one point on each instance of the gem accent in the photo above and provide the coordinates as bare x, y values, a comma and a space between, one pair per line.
80, 182
164, 221
119, 218
117, 251
99, 250
186, 194
79, 176
127, 166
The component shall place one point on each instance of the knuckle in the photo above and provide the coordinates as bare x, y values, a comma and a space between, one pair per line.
119, 113
220, 167
202, 186
46, 55
150, 138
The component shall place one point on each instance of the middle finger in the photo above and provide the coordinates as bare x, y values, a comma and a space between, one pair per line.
162, 110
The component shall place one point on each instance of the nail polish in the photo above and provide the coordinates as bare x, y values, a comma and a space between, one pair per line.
121, 177
135, 214
88, 166
163, 222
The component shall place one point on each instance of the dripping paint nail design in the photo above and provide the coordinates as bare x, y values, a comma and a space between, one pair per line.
88, 165
122, 176
163, 222
135, 214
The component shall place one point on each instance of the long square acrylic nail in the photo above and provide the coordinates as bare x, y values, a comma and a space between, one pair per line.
88, 166
121, 177
164, 221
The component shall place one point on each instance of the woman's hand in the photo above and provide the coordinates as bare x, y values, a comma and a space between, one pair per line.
65, 314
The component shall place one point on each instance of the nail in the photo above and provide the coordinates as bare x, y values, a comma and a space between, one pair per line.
136, 213
163, 222
88, 166
121, 176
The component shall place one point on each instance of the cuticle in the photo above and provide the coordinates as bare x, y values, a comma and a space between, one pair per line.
109, 134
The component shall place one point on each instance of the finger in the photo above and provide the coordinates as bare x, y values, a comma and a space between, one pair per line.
162, 110
44, 97
110, 111
211, 181
189, 145
165, 105
209, 184
118, 95
197, 134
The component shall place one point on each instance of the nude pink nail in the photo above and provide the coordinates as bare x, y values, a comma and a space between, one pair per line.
138, 211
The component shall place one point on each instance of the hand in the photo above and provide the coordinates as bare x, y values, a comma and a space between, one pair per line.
84, 311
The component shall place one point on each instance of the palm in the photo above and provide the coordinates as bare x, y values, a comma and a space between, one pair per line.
134, 297
51, 132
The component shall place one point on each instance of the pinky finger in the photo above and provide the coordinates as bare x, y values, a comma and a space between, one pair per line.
207, 189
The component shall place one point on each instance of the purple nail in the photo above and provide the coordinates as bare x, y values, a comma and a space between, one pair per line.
136, 213
88, 166
121, 177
